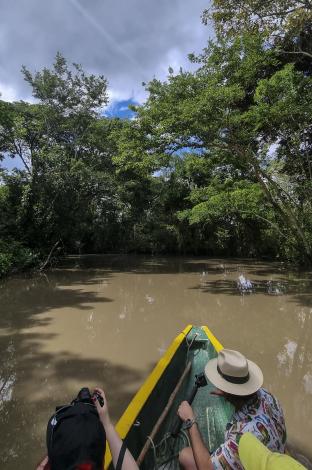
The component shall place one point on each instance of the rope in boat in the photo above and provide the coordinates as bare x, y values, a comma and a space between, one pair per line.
166, 455
189, 345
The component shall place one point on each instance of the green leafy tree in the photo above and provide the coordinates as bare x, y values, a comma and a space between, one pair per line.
237, 110
286, 23
66, 148
217, 161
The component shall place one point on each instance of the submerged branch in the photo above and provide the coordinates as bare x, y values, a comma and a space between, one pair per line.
42, 267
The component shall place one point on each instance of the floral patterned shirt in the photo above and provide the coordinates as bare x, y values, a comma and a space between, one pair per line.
263, 417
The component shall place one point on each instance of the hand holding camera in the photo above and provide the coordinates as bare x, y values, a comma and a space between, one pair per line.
85, 396
97, 399
97, 396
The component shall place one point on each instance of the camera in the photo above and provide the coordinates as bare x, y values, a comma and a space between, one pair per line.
84, 396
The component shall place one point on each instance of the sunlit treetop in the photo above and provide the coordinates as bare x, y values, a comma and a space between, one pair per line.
284, 21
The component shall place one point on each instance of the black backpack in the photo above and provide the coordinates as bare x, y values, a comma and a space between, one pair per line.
75, 435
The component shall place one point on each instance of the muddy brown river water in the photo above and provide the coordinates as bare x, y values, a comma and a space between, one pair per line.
106, 320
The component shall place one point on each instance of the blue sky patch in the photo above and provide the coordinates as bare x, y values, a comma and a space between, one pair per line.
120, 109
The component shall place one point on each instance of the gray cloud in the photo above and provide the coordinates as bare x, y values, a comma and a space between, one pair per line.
128, 41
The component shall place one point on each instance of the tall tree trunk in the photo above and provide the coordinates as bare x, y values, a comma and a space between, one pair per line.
283, 208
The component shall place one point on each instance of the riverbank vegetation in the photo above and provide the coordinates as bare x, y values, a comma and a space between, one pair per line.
215, 162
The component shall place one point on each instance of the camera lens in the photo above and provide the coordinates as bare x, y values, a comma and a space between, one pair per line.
84, 395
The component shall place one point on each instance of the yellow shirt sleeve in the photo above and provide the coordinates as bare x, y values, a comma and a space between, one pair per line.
255, 456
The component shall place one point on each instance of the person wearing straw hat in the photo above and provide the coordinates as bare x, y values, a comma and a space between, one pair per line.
239, 381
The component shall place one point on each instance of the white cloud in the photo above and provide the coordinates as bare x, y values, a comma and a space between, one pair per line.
8, 93
119, 94
128, 41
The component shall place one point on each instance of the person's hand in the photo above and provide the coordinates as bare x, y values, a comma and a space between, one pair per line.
185, 411
102, 410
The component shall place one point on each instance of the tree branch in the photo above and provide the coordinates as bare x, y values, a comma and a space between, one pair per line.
307, 54
19, 153
265, 220
49, 256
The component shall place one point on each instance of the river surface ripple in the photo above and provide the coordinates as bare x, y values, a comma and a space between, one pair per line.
106, 320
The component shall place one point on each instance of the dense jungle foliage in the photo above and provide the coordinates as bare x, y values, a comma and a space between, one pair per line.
215, 162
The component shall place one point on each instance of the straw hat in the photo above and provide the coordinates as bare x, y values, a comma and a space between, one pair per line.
233, 373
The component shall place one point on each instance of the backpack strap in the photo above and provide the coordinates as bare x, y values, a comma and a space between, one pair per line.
121, 456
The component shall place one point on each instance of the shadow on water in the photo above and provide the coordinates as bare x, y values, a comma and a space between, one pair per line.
141, 264
32, 381
24, 418
39, 295
169, 265
291, 280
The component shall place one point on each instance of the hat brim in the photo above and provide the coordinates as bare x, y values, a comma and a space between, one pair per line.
253, 384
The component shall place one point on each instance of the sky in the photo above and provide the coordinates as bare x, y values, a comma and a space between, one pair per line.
128, 41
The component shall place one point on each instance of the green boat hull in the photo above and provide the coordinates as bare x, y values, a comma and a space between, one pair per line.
212, 413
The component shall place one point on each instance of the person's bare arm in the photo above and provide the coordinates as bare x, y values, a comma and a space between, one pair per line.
200, 452
44, 464
112, 437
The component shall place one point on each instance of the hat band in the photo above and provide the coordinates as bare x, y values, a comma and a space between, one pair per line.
233, 380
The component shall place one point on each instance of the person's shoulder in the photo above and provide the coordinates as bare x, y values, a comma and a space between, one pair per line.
268, 397
263, 392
